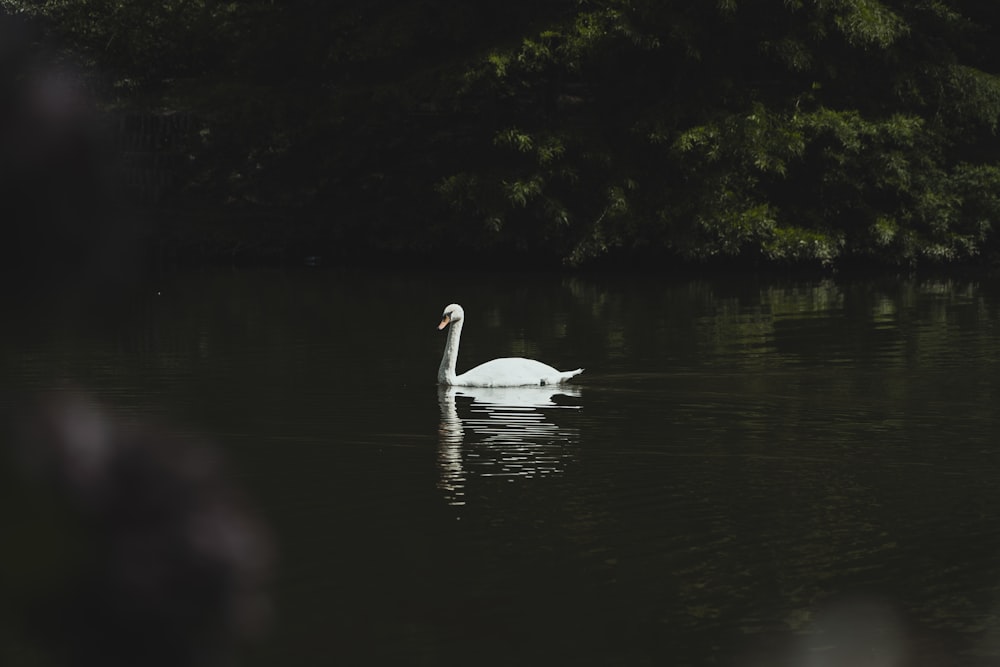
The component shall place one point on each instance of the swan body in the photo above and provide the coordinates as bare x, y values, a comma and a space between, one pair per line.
505, 372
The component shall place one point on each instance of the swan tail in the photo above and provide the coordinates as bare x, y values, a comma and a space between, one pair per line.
565, 375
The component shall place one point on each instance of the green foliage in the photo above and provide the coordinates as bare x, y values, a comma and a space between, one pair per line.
796, 244
824, 130
969, 98
139, 41
809, 131
866, 23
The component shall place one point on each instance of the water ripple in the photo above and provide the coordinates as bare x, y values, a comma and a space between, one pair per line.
502, 432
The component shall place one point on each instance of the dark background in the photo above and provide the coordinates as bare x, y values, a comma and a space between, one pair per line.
579, 133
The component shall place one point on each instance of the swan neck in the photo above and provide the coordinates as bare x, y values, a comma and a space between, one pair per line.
446, 373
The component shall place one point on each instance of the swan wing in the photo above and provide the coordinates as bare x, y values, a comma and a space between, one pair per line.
513, 372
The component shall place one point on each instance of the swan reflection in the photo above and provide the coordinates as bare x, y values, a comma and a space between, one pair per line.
502, 432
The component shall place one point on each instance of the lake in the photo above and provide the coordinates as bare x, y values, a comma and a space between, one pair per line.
750, 471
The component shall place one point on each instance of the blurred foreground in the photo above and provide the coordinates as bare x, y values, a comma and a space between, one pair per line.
125, 544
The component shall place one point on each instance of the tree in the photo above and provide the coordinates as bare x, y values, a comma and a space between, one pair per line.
795, 131
575, 130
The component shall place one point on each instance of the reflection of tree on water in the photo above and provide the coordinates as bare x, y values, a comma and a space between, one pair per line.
503, 432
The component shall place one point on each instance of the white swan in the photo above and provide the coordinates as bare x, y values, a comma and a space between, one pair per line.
507, 372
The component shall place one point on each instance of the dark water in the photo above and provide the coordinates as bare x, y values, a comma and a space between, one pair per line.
747, 473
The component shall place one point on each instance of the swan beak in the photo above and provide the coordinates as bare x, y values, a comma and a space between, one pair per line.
445, 321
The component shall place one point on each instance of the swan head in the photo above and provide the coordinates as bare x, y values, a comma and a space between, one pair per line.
452, 313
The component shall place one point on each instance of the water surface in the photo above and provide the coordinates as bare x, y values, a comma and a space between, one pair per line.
748, 471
